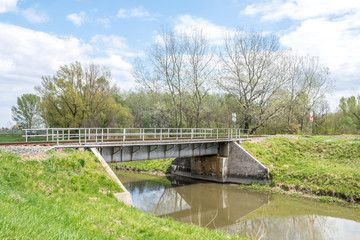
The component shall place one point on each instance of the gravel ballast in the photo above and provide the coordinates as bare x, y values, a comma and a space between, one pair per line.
26, 150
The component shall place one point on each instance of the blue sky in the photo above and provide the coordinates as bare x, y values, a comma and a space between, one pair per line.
36, 37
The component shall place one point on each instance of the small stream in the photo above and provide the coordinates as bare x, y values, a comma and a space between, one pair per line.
233, 210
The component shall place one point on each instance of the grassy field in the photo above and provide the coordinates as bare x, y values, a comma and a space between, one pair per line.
68, 196
323, 166
17, 137
11, 137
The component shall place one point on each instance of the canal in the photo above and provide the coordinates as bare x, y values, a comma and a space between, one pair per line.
233, 210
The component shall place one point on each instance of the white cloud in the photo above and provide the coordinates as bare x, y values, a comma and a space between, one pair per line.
187, 23
105, 22
112, 45
120, 70
8, 6
26, 55
138, 12
76, 18
34, 16
328, 29
275, 10
110, 41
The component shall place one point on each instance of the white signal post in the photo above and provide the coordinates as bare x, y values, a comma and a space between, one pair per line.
234, 118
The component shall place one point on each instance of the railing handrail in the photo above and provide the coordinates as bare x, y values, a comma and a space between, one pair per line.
43, 129
132, 134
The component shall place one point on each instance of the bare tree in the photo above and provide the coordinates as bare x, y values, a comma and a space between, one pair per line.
200, 68
315, 84
252, 73
293, 65
166, 61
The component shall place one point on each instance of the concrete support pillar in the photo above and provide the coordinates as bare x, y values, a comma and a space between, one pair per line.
233, 164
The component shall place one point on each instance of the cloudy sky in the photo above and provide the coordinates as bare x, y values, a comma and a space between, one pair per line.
36, 37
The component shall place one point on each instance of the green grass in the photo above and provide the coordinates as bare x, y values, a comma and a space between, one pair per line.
11, 137
17, 137
158, 165
69, 196
322, 166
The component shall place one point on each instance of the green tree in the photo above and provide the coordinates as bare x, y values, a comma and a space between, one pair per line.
81, 96
350, 108
26, 111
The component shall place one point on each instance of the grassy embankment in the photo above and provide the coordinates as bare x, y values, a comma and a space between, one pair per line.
69, 196
328, 167
156, 167
325, 167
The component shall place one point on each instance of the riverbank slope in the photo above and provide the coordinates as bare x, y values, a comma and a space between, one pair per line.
328, 167
69, 196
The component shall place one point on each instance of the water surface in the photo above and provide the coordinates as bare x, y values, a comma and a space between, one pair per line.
225, 207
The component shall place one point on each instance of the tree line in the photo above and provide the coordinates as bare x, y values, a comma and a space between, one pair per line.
185, 80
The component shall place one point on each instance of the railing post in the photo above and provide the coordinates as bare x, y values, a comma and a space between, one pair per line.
26, 135
57, 137
217, 133
124, 133
160, 134
177, 132
102, 135
47, 134
68, 134
85, 135
143, 134
79, 136
192, 133
96, 135
108, 134
52, 134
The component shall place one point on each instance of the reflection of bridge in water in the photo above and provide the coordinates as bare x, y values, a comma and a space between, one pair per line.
205, 204
212, 205
234, 210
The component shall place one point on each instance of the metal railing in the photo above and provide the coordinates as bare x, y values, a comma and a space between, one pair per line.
101, 135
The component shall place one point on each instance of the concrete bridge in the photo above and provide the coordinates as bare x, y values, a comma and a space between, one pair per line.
204, 153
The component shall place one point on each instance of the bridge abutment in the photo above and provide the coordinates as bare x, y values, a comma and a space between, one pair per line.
234, 164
